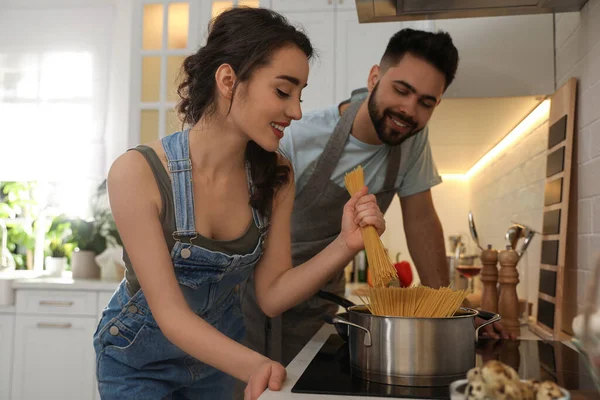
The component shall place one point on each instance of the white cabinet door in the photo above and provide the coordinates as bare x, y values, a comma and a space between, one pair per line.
53, 358
502, 56
319, 27
7, 323
358, 47
302, 5
345, 5
103, 299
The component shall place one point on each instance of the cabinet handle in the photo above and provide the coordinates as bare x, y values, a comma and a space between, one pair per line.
56, 303
54, 326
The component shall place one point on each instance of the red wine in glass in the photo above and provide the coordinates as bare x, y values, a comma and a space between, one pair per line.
469, 271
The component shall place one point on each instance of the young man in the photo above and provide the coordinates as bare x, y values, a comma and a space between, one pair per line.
386, 133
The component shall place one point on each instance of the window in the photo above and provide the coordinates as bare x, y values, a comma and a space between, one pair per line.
220, 6
53, 104
47, 115
167, 38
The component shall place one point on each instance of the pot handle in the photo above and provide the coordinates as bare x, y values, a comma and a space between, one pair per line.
490, 318
339, 300
337, 320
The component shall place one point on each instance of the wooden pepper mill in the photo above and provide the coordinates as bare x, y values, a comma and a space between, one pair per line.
508, 304
489, 278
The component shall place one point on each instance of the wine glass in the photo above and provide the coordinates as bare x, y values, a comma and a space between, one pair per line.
469, 272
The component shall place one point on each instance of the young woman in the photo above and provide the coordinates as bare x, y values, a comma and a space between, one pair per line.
202, 209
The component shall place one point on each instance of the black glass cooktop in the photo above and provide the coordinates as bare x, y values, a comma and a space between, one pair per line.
329, 372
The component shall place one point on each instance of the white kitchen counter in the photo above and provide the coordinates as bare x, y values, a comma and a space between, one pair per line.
66, 282
7, 309
300, 363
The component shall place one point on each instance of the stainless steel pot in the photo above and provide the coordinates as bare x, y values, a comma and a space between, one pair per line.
412, 351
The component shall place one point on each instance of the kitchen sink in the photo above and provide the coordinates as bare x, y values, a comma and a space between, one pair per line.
7, 293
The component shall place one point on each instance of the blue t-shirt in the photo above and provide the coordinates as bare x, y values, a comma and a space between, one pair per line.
304, 141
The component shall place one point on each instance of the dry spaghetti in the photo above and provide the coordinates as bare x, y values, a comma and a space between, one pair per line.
416, 302
382, 267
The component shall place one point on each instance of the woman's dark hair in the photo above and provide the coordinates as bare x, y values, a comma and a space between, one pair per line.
245, 38
435, 48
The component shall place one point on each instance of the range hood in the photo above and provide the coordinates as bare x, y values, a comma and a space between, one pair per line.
411, 10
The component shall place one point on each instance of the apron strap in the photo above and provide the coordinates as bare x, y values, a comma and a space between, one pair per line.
391, 173
333, 150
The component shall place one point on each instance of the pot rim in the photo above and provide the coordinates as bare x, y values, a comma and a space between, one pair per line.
359, 309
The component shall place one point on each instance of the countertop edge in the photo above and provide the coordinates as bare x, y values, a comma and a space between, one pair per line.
297, 367
5, 310
65, 283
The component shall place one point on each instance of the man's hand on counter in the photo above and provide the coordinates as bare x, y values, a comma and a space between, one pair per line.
495, 330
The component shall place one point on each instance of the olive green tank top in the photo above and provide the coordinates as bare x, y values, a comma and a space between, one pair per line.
245, 244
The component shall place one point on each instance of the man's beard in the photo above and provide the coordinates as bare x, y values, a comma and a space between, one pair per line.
388, 135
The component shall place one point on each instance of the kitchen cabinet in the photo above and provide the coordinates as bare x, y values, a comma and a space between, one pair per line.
358, 47
346, 5
345, 52
7, 323
56, 355
53, 345
502, 56
488, 67
304, 5
320, 28
499, 56
103, 299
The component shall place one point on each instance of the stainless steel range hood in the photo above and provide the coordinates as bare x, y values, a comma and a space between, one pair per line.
411, 10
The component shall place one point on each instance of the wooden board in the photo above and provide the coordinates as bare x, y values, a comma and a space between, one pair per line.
556, 309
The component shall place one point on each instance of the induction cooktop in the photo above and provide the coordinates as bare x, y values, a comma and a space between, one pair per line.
329, 372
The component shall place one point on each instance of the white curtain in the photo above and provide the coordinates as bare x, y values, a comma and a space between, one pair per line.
54, 65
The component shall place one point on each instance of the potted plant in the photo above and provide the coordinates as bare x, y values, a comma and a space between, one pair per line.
56, 262
90, 237
58, 249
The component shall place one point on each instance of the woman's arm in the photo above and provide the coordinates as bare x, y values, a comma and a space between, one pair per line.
278, 285
135, 204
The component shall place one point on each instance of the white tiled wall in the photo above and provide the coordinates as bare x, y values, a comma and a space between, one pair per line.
511, 188
578, 55
451, 200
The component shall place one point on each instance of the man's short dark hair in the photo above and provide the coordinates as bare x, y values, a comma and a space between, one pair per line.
436, 48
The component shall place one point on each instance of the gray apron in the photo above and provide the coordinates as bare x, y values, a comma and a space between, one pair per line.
316, 222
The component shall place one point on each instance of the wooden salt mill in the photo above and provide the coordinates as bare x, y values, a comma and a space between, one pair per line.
489, 278
508, 304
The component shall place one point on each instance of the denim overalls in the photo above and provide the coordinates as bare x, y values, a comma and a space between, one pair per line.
134, 359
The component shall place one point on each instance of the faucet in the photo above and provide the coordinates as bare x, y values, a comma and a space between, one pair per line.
3, 244
457, 248
6, 259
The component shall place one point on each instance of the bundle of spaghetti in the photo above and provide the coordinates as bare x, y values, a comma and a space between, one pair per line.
416, 302
382, 267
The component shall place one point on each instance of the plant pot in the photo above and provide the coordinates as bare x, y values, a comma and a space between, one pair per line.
84, 265
112, 272
55, 266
